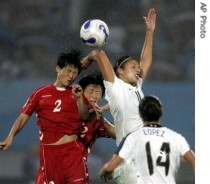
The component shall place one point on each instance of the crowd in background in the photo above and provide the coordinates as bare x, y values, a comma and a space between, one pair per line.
32, 33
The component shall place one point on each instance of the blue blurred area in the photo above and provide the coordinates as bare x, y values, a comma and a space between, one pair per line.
178, 100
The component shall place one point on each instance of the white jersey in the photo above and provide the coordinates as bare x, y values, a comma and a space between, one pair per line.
124, 100
156, 152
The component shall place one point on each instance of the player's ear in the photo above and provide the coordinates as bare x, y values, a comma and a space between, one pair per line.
57, 69
119, 71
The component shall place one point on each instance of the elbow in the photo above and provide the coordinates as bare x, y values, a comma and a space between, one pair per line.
85, 117
113, 134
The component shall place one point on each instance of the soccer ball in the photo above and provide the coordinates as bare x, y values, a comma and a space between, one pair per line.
94, 33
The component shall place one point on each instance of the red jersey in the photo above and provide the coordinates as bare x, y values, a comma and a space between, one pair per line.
56, 110
91, 131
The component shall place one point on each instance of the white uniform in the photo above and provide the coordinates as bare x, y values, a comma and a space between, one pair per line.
124, 100
156, 152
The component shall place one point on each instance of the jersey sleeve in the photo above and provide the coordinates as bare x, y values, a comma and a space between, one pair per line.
31, 104
113, 91
126, 149
184, 146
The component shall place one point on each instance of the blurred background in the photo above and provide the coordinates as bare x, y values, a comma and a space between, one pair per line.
34, 32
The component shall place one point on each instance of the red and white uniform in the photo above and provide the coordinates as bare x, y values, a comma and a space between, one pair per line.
57, 113
92, 131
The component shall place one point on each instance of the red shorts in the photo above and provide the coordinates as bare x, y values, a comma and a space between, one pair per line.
63, 164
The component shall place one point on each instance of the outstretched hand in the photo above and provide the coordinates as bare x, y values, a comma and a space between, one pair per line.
5, 144
150, 20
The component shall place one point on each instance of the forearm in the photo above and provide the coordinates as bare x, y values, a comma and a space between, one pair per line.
103, 63
146, 53
110, 129
18, 125
105, 66
105, 107
82, 108
190, 158
105, 174
110, 166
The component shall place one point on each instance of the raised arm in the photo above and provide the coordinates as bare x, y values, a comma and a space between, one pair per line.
103, 62
82, 108
146, 53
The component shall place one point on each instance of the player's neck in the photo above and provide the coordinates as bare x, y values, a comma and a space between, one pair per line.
152, 124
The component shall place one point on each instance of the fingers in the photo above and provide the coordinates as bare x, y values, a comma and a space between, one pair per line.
77, 88
77, 91
151, 14
98, 111
150, 20
102, 178
3, 147
105, 177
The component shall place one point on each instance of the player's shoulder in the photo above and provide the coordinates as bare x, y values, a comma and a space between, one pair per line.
43, 88
135, 134
47, 86
111, 84
172, 132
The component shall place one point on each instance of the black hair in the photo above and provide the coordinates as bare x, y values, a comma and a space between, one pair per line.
72, 57
92, 79
150, 108
121, 62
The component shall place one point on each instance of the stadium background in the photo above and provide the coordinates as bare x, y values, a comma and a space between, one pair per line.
34, 32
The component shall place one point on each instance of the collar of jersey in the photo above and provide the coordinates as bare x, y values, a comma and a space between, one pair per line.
60, 89
153, 125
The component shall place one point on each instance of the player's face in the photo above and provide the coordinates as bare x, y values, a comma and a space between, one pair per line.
66, 75
93, 93
131, 72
